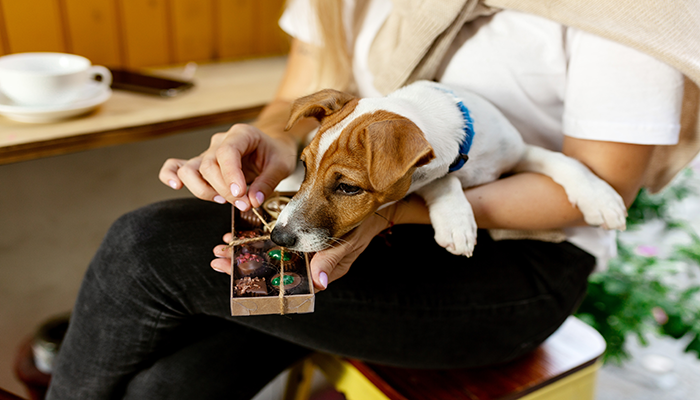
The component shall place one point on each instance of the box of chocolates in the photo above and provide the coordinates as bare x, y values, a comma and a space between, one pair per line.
266, 278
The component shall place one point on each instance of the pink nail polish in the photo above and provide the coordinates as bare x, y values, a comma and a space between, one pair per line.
235, 189
260, 197
172, 184
241, 205
220, 200
324, 279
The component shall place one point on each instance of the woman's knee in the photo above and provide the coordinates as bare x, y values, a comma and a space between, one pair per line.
156, 246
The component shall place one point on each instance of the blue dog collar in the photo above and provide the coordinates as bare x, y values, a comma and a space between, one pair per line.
466, 144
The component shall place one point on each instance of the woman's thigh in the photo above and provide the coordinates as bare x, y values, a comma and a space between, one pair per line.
404, 302
408, 302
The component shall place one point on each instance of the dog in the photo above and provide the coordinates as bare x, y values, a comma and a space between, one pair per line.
371, 152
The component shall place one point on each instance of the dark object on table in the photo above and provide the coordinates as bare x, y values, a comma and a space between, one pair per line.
148, 84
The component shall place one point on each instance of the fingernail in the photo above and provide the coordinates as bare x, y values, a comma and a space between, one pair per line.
220, 200
241, 205
235, 189
260, 197
172, 184
218, 270
324, 279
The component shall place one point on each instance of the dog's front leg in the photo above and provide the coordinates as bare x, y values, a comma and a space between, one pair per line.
451, 215
599, 203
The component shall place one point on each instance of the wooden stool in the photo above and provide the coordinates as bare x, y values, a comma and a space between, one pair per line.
564, 367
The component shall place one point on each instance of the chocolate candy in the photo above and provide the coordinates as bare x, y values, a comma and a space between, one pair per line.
260, 244
275, 205
292, 261
251, 287
251, 220
293, 283
252, 265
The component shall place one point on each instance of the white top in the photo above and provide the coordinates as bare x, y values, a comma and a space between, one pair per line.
549, 80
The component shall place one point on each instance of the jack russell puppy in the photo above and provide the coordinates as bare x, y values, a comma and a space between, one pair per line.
371, 152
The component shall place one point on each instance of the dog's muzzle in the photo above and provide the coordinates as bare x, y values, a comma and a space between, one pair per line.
283, 236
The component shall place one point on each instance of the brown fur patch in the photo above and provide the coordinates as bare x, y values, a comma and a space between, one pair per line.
377, 152
319, 105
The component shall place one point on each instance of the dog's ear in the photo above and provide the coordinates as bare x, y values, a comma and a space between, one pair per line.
394, 147
318, 105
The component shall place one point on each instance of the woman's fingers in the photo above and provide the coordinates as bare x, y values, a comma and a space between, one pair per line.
168, 172
246, 155
332, 263
222, 262
328, 265
191, 177
239, 142
210, 172
263, 186
223, 254
177, 172
222, 164
234, 158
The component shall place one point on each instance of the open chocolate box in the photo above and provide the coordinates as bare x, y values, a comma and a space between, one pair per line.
261, 269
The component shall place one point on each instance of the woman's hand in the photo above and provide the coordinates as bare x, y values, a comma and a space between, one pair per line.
235, 158
332, 263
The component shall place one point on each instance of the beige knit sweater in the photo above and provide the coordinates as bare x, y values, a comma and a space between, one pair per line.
414, 39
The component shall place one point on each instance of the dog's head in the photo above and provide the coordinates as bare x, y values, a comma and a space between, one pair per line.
359, 160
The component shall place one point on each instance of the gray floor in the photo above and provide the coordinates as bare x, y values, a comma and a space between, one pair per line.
54, 212
53, 215
661, 371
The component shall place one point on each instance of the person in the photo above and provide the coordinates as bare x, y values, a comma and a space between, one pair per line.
152, 320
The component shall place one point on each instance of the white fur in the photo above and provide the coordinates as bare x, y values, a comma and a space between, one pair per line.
497, 148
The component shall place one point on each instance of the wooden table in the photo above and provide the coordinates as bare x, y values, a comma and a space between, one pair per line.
223, 93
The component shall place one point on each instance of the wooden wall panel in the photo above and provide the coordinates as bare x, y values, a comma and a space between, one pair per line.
34, 25
235, 28
93, 31
269, 38
146, 32
193, 30
3, 33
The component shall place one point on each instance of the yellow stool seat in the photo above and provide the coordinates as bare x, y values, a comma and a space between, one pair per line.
564, 367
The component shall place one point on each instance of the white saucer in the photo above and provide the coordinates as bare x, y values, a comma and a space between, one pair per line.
91, 96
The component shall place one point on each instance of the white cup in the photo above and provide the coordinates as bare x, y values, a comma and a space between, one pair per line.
46, 79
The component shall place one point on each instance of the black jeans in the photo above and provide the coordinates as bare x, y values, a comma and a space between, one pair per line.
152, 319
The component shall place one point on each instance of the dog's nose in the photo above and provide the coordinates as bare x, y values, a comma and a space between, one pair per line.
283, 237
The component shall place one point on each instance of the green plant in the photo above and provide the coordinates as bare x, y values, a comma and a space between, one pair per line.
650, 286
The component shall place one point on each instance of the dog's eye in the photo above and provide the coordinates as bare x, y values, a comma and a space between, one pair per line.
344, 188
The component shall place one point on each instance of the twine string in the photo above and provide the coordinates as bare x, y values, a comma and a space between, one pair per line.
268, 228
240, 241
257, 214
281, 296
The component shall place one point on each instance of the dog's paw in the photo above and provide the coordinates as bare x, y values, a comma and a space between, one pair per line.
454, 230
599, 203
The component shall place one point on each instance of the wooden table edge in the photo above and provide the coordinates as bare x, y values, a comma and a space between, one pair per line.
65, 145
